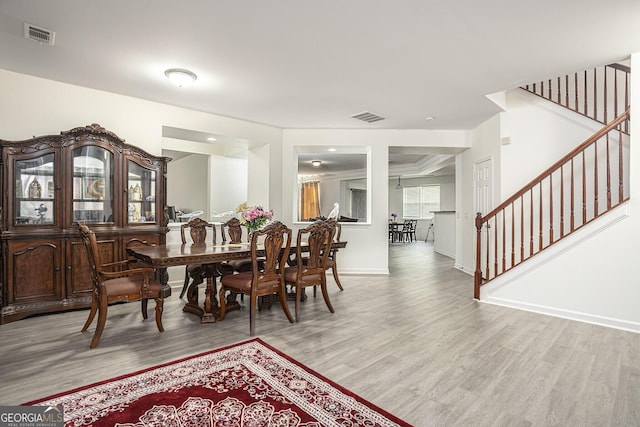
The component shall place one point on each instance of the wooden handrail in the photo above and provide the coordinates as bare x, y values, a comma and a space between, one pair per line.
497, 253
621, 118
599, 94
620, 67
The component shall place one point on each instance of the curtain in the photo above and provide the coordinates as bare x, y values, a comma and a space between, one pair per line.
309, 200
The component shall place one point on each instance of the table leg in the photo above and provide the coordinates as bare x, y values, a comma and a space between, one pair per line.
211, 309
192, 305
163, 277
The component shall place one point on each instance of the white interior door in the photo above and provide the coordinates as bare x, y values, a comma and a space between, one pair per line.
483, 178
483, 203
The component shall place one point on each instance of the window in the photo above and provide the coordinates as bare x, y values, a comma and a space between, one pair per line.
420, 202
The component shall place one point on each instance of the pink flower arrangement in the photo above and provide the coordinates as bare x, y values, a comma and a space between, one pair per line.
254, 217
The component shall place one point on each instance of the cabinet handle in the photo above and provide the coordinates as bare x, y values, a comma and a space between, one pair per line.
57, 269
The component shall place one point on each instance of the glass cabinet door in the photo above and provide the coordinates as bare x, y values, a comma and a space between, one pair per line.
141, 189
92, 185
35, 190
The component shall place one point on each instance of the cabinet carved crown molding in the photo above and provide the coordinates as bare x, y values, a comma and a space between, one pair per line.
82, 174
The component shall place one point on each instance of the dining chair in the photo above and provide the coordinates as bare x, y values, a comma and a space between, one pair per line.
313, 245
233, 230
118, 282
409, 231
197, 228
332, 262
403, 230
264, 278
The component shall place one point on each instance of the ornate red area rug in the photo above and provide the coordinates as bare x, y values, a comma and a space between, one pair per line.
247, 384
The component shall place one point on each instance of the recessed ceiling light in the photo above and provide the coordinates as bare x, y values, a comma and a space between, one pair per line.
181, 77
429, 118
211, 139
331, 149
316, 163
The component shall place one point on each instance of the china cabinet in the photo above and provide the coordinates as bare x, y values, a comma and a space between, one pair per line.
50, 183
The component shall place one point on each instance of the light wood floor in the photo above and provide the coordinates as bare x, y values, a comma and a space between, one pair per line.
414, 343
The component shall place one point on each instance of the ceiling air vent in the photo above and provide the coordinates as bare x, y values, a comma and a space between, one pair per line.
38, 34
368, 117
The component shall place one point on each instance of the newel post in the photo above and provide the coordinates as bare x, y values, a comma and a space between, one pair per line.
477, 276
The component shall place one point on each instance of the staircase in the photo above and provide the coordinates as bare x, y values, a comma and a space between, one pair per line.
600, 94
580, 187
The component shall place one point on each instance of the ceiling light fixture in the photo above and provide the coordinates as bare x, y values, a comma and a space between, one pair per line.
398, 185
211, 139
180, 77
316, 163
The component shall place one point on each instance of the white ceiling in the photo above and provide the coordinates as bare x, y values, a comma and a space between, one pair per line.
314, 64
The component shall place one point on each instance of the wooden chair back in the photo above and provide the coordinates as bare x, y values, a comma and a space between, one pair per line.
197, 230
90, 244
232, 229
276, 240
314, 245
338, 232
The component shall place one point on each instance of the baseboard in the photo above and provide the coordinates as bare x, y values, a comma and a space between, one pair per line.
445, 253
610, 322
464, 269
487, 291
367, 271
177, 284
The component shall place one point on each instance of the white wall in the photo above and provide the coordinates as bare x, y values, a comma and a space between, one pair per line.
33, 106
185, 190
228, 183
259, 185
486, 145
367, 250
219, 182
593, 280
329, 191
540, 132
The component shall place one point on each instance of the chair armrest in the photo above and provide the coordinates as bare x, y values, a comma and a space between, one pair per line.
121, 264
126, 273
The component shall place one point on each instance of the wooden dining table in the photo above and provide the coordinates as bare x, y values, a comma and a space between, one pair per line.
211, 257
